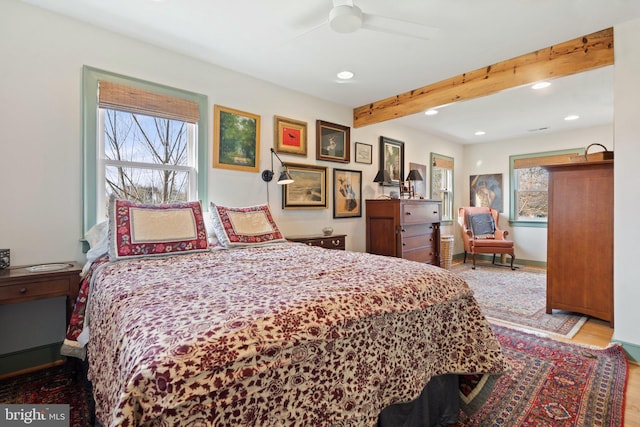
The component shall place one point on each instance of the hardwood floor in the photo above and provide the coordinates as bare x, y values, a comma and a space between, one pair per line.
598, 333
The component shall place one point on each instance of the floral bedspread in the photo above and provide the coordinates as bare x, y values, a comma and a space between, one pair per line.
285, 335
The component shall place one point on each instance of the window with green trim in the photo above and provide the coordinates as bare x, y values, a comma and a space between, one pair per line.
143, 141
530, 184
442, 183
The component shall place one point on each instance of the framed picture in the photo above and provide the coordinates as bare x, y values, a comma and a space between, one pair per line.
290, 136
333, 142
236, 139
364, 153
392, 159
309, 187
347, 193
486, 190
420, 187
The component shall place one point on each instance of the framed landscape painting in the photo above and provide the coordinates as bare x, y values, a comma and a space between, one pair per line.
236, 139
309, 187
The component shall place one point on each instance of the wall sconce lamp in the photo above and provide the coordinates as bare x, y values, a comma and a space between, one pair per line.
414, 175
284, 179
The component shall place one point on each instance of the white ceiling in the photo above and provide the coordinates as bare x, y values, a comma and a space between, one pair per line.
288, 42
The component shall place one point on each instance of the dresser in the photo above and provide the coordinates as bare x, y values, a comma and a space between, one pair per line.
580, 239
404, 228
333, 241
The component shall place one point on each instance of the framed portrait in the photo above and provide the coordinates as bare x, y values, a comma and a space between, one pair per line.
290, 136
309, 187
333, 142
347, 193
486, 190
236, 139
392, 159
364, 153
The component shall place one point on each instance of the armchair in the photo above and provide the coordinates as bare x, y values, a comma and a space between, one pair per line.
481, 235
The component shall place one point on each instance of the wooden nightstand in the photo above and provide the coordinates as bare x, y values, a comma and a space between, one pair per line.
18, 284
334, 241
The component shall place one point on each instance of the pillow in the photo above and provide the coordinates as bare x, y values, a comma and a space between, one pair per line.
482, 225
137, 229
246, 226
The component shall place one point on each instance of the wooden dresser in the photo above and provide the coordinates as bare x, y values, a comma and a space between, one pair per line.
333, 241
580, 239
404, 228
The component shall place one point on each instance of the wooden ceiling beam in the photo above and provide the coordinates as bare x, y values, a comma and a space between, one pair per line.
571, 57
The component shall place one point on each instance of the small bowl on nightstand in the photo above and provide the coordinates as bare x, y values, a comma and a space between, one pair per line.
327, 231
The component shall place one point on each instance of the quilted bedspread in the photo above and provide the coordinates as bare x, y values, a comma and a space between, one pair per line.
284, 335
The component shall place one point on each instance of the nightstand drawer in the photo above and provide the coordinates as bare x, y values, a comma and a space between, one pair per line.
33, 290
327, 242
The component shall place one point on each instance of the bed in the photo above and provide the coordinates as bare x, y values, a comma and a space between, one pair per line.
270, 333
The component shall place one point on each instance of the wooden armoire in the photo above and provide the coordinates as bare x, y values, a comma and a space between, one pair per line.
580, 238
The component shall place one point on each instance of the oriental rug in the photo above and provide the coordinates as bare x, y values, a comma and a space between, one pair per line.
61, 384
554, 383
517, 298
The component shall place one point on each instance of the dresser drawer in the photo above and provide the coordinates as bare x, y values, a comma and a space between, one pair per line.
33, 290
417, 229
426, 255
327, 242
415, 242
419, 213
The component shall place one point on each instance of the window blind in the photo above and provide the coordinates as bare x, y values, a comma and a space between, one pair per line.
133, 100
443, 163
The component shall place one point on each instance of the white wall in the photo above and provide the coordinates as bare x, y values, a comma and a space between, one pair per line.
493, 158
626, 179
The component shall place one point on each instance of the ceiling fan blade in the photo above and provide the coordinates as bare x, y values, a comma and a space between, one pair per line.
397, 26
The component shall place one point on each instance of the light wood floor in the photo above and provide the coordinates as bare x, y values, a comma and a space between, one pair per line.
598, 333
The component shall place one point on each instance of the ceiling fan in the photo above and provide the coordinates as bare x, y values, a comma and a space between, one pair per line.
346, 17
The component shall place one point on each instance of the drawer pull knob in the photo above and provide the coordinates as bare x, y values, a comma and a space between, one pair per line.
310, 244
335, 242
403, 230
23, 290
408, 213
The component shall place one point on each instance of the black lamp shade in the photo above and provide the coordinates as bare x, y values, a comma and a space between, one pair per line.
414, 175
284, 178
382, 176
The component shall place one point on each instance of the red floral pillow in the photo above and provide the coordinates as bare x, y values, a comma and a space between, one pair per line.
246, 226
140, 230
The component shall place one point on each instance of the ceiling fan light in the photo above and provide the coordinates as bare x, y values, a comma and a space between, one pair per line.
345, 19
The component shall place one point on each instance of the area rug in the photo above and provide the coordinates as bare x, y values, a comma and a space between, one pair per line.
517, 298
554, 383
57, 385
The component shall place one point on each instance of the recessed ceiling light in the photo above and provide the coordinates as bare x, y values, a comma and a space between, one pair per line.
345, 75
480, 133
431, 112
540, 85
572, 117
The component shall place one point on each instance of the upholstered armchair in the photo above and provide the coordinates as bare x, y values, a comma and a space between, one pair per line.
481, 235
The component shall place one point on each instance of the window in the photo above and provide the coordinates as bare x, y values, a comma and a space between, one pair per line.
530, 183
442, 183
142, 142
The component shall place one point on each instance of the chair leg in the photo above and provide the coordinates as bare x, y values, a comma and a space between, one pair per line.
493, 261
473, 258
512, 258
464, 261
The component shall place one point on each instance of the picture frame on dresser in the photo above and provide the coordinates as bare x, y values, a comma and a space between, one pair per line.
333, 142
392, 160
309, 187
347, 193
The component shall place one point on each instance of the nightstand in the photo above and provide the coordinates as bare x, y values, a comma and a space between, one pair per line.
334, 241
22, 283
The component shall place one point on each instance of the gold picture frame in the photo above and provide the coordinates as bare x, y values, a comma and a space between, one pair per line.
309, 187
236, 139
290, 136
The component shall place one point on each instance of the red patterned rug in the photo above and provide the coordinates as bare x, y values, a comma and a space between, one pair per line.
57, 385
517, 298
554, 383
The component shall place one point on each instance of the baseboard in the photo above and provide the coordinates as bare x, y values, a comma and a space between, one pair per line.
632, 350
31, 359
489, 257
